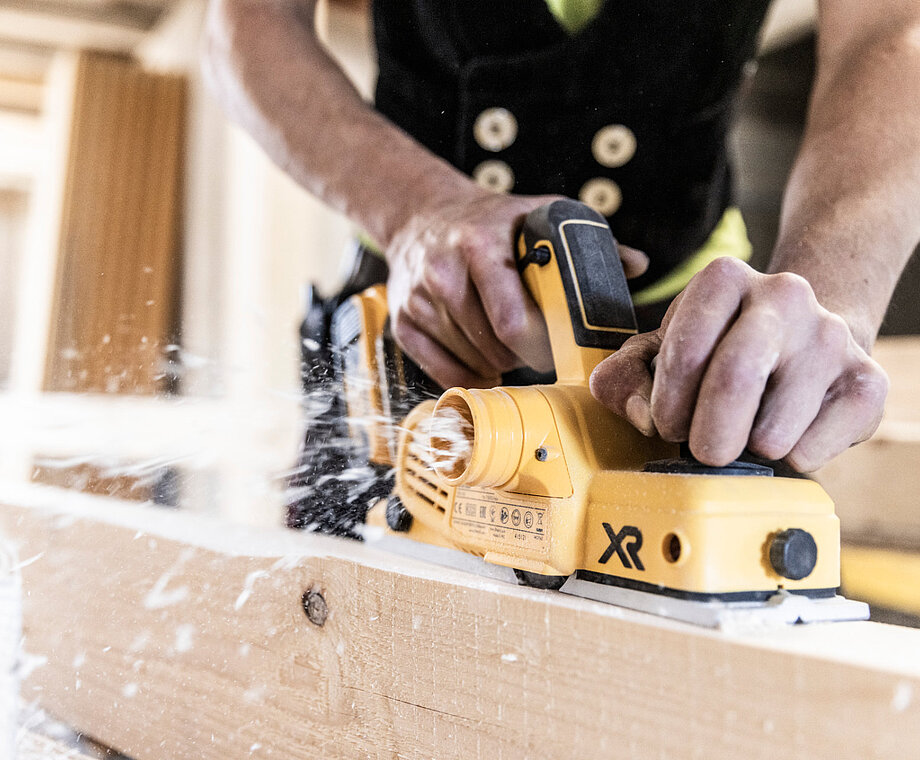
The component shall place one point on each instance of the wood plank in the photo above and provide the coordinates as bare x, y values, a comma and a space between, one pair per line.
168, 635
116, 292
876, 485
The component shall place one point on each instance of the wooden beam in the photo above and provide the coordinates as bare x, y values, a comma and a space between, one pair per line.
168, 635
886, 577
876, 485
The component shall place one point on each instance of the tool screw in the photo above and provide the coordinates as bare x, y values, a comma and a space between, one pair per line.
541, 454
541, 255
314, 605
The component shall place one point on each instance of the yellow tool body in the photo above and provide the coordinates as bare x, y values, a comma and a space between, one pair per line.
545, 480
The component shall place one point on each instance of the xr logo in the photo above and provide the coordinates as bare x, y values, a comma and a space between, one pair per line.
618, 544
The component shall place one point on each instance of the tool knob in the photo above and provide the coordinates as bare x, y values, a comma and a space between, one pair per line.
793, 553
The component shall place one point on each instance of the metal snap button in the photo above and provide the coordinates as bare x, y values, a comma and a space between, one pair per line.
613, 145
601, 194
495, 129
494, 175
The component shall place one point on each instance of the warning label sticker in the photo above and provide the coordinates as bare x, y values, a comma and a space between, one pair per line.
508, 519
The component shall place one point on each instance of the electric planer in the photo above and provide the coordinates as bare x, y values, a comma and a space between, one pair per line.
544, 484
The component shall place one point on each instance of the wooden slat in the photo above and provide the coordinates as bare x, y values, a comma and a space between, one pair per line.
43, 27
18, 94
117, 277
132, 14
173, 636
876, 485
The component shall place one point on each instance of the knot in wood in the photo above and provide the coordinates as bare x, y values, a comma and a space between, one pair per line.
314, 605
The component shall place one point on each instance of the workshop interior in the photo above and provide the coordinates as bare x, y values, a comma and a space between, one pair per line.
165, 389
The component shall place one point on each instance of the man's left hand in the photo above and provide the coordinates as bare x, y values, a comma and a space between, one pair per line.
747, 360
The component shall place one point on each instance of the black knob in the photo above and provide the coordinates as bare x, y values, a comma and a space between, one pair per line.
793, 553
398, 517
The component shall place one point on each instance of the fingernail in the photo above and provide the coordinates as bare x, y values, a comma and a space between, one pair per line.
639, 413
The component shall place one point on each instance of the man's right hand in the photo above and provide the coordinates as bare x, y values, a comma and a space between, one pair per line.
457, 303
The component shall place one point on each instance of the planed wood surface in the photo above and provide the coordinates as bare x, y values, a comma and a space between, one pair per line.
116, 288
876, 485
171, 636
35, 746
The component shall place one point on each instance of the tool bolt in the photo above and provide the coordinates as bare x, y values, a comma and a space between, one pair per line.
793, 553
541, 454
314, 605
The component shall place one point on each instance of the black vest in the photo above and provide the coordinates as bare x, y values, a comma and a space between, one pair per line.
667, 71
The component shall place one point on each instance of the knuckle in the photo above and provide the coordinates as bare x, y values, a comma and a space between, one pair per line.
467, 239
509, 326
739, 377
681, 358
438, 279
790, 289
870, 386
728, 270
417, 306
833, 333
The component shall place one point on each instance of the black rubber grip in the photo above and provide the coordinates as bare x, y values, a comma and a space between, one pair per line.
586, 253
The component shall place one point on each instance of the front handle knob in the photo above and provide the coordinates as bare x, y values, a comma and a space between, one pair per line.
793, 553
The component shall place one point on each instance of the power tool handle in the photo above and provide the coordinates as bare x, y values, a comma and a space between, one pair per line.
570, 264
596, 292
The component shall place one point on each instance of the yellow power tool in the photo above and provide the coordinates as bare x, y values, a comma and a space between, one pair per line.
547, 482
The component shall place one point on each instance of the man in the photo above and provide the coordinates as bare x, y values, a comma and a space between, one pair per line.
625, 105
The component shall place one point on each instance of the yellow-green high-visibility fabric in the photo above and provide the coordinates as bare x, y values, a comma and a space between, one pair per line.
574, 15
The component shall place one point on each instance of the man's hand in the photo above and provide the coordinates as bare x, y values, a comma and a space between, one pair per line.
457, 302
747, 360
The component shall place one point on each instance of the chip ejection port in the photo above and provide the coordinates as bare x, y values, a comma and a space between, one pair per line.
476, 437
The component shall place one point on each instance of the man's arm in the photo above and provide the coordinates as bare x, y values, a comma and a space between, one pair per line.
851, 214
779, 362
456, 301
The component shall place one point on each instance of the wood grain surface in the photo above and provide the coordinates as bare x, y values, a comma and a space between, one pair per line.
171, 636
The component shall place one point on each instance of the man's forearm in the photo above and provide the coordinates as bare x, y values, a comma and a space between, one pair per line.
851, 215
278, 82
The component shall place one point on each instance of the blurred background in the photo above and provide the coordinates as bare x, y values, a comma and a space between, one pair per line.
152, 260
